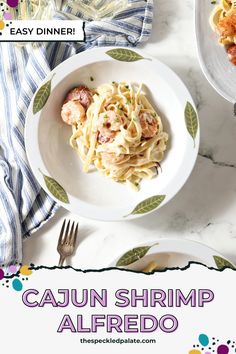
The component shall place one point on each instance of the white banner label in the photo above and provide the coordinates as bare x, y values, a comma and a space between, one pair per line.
113, 311
42, 31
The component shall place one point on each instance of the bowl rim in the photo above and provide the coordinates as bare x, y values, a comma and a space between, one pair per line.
180, 246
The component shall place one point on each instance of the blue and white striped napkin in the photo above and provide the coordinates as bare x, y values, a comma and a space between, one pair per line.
24, 206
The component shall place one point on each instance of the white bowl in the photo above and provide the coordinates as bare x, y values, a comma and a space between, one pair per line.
169, 254
92, 195
219, 71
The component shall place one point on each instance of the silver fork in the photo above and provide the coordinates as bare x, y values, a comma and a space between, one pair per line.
67, 241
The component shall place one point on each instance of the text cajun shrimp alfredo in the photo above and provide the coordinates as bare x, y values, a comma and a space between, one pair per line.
116, 129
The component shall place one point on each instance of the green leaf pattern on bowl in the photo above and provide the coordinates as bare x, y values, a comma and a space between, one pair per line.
133, 256
222, 263
148, 205
191, 120
42, 96
56, 189
126, 55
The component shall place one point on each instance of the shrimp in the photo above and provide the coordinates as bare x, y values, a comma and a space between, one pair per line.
227, 26
73, 112
106, 136
149, 125
232, 53
108, 125
81, 94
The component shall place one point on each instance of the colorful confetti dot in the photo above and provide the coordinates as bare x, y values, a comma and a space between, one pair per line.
17, 285
12, 269
223, 349
2, 25
24, 270
207, 353
1, 274
7, 16
12, 3
194, 351
203, 339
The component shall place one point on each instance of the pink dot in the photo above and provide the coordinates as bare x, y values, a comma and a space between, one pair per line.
223, 349
1, 274
12, 269
12, 3
7, 16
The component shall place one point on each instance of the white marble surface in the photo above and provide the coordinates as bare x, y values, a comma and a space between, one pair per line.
205, 209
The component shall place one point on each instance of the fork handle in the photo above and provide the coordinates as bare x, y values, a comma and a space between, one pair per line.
61, 261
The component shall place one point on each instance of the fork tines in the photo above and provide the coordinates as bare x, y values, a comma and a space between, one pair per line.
68, 233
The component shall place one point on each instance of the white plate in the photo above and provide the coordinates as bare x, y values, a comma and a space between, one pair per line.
92, 195
219, 71
175, 254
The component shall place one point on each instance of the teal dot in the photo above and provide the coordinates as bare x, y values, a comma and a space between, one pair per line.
17, 285
203, 339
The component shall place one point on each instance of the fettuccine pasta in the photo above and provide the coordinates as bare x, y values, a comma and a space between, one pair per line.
121, 134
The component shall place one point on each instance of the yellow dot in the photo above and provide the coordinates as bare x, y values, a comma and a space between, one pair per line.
194, 351
24, 270
2, 25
